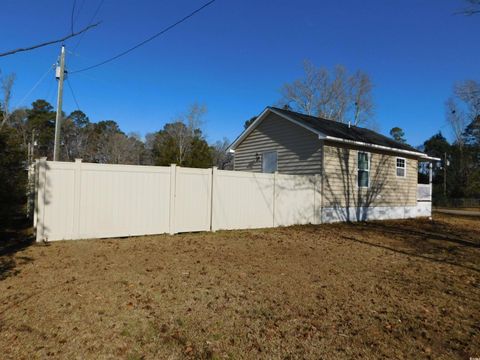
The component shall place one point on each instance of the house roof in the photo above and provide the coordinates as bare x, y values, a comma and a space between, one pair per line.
334, 131
343, 131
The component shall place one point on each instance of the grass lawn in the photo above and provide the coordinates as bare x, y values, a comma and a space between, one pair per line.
394, 289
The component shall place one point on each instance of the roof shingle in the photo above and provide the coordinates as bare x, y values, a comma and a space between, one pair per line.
343, 131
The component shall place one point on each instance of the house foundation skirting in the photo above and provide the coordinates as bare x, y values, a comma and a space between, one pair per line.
339, 214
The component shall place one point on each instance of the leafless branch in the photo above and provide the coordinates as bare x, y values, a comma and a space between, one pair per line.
73, 34
472, 10
6, 85
335, 95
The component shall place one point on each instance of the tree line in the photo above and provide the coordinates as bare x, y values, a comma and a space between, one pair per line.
180, 141
336, 94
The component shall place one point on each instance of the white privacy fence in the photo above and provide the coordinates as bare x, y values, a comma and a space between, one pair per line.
82, 200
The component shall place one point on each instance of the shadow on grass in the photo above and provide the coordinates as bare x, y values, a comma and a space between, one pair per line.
14, 238
444, 261
429, 240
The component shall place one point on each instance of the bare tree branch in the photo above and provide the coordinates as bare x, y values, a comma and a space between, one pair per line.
335, 95
6, 85
11, 52
472, 10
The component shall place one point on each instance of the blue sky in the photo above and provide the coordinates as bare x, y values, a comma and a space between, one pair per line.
235, 56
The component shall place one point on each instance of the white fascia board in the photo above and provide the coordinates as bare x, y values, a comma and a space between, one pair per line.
380, 147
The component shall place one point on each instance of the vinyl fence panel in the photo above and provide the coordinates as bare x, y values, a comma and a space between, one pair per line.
59, 201
295, 199
77, 200
192, 199
123, 200
242, 200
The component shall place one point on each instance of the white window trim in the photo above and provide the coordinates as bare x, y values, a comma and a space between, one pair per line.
270, 151
404, 168
368, 170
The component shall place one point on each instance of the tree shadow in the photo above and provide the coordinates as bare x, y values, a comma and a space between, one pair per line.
13, 239
343, 198
433, 241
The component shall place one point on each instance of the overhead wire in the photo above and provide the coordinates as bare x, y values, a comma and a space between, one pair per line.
73, 93
50, 68
72, 15
163, 31
90, 22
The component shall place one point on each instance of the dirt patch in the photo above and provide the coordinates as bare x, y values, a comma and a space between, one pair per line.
395, 289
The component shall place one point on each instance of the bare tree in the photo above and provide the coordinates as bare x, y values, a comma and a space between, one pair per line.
6, 85
360, 88
221, 158
472, 9
333, 95
122, 149
469, 92
456, 119
463, 107
182, 131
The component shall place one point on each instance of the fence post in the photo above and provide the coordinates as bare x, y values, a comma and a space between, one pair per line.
274, 196
35, 195
317, 200
40, 207
76, 198
214, 179
212, 182
173, 186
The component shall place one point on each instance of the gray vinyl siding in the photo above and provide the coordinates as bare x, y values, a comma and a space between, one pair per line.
299, 151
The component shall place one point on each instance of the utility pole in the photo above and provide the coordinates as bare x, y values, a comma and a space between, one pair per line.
60, 75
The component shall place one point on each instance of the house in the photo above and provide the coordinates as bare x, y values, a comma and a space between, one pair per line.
364, 175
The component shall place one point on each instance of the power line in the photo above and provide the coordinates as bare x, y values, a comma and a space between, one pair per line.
80, 9
72, 15
91, 20
11, 52
148, 39
50, 68
73, 94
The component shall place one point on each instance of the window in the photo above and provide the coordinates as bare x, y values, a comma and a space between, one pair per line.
401, 167
269, 162
363, 169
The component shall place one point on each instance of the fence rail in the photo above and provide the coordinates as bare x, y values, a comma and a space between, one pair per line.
458, 202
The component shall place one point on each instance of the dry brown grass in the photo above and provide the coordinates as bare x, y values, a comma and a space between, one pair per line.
396, 289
